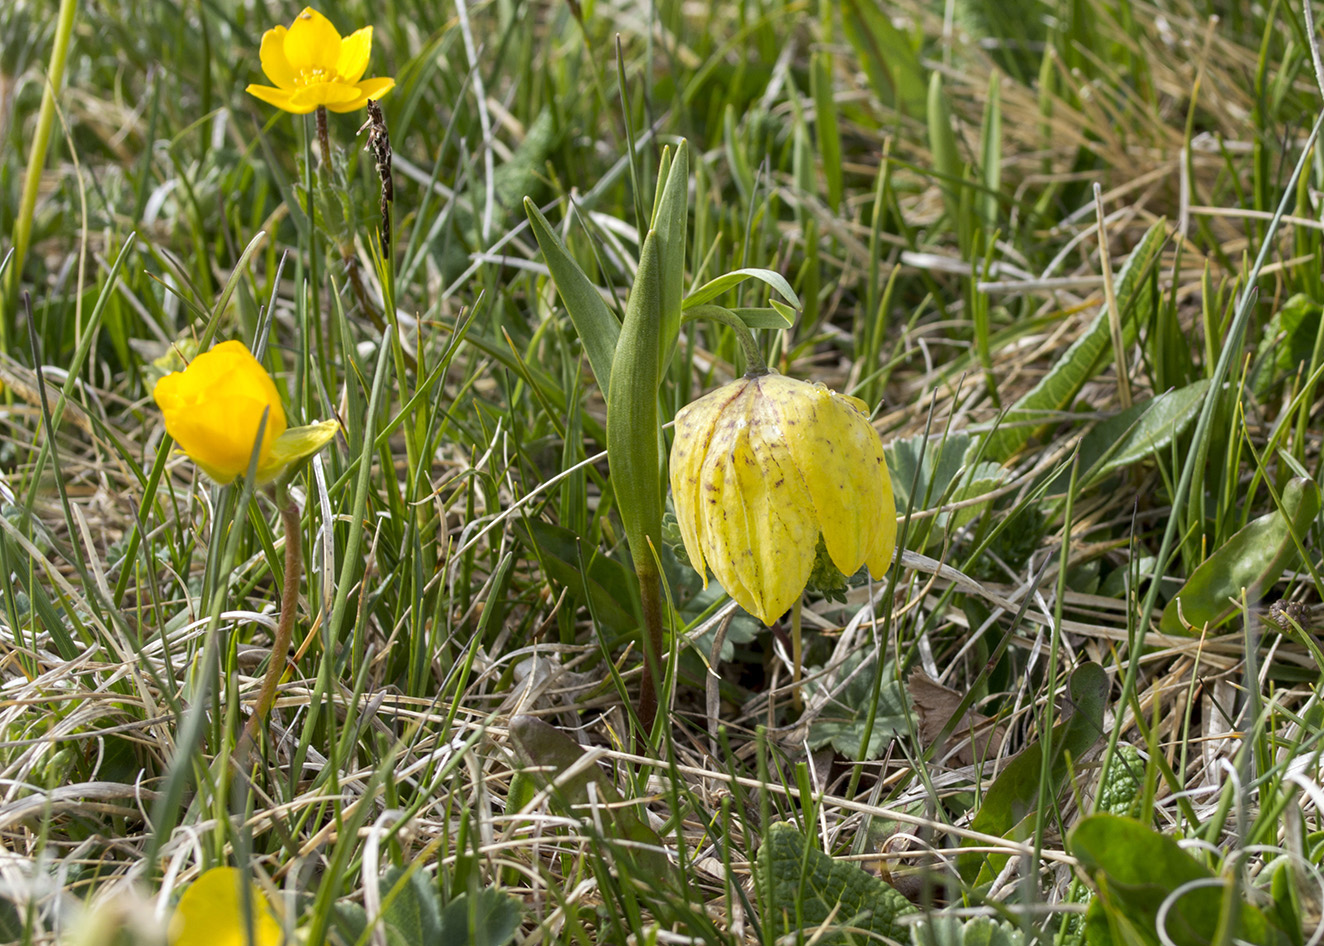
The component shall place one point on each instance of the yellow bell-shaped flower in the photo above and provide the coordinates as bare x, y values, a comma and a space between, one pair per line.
211, 913
213, 409
760, 468
312, 65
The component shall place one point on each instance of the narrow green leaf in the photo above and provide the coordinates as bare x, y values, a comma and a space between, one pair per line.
715, 287
1082, 360
780, 316
1251, 560
990, 153
942, 142
825, 126
888, 58
670, 219
632, 426
597, 327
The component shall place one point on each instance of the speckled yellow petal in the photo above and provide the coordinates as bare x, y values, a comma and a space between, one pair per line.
692, 436
879, 555
834, 445
723, 533
779, 516
312, 45
354, 52
274, 63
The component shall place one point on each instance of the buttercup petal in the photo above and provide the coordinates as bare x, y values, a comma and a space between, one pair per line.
211, 913
214, 407
278, 97
272, 55
367, 89
312, 44
354, 51
333, 95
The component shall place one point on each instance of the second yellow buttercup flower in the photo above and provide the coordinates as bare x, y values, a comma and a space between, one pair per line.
311, 65
213, 409
211, 913
760, 468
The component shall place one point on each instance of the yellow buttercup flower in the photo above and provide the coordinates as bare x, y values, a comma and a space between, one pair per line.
760, 468
312, 65
213, 409
211, 913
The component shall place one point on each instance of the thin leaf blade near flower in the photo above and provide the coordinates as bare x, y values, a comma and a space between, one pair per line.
597, 327
670, 220
715, 287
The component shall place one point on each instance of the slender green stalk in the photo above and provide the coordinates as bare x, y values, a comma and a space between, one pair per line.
27, 204
289, 606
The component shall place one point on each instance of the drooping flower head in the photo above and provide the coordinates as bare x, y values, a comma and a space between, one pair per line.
214, 407
760, 468
312, 65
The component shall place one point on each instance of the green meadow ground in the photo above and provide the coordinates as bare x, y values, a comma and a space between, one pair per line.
1070, 254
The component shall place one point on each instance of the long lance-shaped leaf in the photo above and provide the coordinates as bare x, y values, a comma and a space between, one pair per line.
597, 327
632, 450
632, 455
1082, 360
670, 217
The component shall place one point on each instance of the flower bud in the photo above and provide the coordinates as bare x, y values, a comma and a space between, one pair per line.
213, 409
760, 468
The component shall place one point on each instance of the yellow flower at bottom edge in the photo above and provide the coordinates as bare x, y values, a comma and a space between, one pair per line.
312, 65
211, 913
214, 406
760, 468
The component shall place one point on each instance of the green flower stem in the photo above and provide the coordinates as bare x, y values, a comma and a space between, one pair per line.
753, 357
41, 140
289, 606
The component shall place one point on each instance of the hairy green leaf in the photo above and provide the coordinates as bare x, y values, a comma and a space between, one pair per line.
807, 887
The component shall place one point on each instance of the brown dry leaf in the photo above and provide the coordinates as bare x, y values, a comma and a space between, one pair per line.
974, 736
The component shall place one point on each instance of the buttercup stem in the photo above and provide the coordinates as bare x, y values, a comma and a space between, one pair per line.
289, 605
323, 139
753, 357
